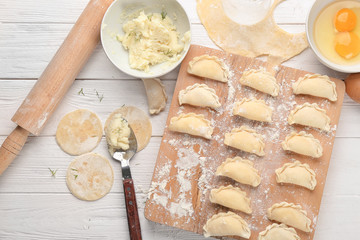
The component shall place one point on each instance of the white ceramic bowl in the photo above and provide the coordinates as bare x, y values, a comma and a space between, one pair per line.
119, 12
318, 6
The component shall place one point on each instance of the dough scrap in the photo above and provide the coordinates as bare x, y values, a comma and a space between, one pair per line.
278, 232
226, 224
296, 173
262, 38
260, 80
241, 170
245, 139
231, 197
192, 124
316, 85
310, 115
290, 214
209, 67
199, 95
79, 132
156, 95
303, 143
139, 122
253, 109
90, 177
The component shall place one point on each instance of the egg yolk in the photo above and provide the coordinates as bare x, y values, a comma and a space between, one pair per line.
345, 20
347, 44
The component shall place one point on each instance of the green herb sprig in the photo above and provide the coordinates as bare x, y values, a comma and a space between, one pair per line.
81, 92
163, 15
53, 172
98, 95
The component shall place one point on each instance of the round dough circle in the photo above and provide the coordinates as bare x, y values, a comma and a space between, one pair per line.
79, 132
138, 120
90, 177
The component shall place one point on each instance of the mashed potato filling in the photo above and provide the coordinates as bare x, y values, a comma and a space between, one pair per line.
151, 39
118, 133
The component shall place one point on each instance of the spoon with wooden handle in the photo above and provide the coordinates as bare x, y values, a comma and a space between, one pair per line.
123, 156
55, 81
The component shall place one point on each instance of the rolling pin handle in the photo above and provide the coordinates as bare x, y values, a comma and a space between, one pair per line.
12, 146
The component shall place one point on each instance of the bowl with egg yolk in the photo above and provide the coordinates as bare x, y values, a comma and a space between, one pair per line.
333, 32
145, 38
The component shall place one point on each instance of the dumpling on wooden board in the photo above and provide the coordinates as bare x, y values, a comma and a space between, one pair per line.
316, 85
303, 143
209, 67
245, 139
199, 95
226, 224
290, 214
310, 115
193, 124
231, 197
260, 80
253, 109
240, 170
278, 232
296, 173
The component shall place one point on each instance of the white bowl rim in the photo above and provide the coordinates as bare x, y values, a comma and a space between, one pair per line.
321, 58
143, 74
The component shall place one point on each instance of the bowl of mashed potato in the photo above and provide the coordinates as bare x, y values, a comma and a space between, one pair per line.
146, 39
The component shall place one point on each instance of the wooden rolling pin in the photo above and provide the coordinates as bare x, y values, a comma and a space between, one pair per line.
55, 81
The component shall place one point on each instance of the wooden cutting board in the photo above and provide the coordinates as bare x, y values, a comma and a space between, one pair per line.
185, 167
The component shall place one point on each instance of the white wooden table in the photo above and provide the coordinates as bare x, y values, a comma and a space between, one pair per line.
35, 205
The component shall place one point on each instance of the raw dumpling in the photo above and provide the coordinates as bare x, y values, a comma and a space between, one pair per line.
156, 94
290, 214
310, 115
316, 85
231, 197
245, 139
226, 224
278, 232
199, 95
253, 109
241, 170
260, 80
296, 173
192, 124
209, 67
303, 143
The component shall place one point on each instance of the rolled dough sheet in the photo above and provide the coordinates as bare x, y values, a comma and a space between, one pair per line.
90, 177
262, 38
79, 132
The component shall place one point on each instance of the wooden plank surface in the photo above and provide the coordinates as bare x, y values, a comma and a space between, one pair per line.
183, 201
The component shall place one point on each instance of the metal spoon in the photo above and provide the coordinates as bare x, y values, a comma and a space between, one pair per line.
124, 156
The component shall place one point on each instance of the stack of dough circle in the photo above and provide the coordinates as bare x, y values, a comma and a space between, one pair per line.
79, 132
139, 122
90, 177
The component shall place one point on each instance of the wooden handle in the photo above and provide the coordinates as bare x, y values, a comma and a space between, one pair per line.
352, 83
132, 210
63, 68
11, 147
